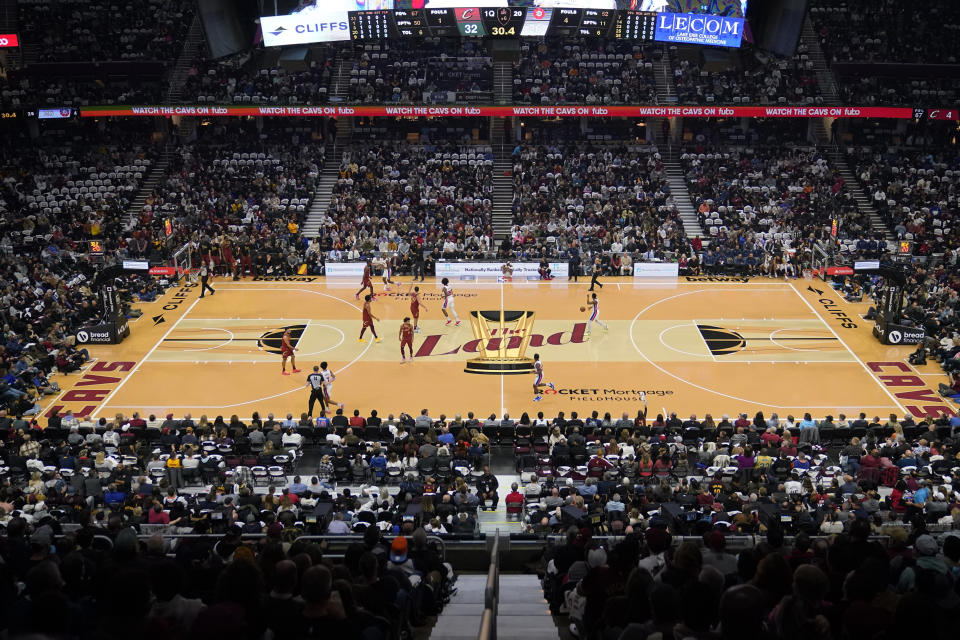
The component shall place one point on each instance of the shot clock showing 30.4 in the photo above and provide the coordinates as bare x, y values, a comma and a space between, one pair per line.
504, 22
500, 22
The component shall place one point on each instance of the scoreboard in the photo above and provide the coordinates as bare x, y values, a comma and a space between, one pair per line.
502, 22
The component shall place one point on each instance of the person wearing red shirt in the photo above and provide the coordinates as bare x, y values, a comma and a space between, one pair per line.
514, 497
663, 465
598, 464
897, 502
770, 437
872, 459
157, 515
356, 420
787, 449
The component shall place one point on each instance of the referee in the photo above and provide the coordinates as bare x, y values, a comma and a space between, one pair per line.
205, 280
594, 280
315, 382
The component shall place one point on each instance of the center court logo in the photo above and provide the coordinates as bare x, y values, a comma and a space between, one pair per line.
501, 356
431, 343
271, 341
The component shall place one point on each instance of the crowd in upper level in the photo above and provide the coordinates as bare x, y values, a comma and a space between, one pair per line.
558, 71
748, 76
80, 31
886, 31
257, 78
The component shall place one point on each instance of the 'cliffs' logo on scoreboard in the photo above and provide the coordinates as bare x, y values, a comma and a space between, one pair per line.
503, 16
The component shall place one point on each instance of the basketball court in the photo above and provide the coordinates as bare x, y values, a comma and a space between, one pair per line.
691, 345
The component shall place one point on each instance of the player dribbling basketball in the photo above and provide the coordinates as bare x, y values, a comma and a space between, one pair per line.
368, 319
594, 306
538, 381
406, 339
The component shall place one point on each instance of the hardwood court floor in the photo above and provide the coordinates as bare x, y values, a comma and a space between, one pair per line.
692, 345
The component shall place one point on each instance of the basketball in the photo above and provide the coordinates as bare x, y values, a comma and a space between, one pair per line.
583, 308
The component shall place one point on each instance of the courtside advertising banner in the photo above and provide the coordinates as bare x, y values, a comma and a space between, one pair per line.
566, 111
344, 269
9, 40
656, 269
521, 270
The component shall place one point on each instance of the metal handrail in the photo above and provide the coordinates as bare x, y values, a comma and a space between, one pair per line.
491, 594
488, 625
259, 536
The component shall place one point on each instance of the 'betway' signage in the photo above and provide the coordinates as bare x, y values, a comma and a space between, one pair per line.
544, 111
303, 28
696, 28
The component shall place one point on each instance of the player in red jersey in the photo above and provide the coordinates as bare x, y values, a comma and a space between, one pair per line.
286, 351
368, 319
406, 339
367, 283
415, 306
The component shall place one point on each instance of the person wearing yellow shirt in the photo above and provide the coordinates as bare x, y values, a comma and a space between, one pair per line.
174, 469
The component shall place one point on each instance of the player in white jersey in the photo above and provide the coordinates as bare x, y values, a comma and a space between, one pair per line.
448, 307
594, 306
386, 273
538, 381
328, 379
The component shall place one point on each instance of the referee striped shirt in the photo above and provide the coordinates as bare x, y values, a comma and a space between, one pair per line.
315, 380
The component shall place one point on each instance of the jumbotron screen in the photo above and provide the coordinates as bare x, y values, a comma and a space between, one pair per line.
704, 22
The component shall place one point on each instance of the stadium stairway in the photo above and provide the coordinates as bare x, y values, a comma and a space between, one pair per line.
321, 196
502, 196
523, 614
503, 82
193, 49
150, 182
825, 77
680, 194
666, 92
864, 203
328, 178
821, 134
341, 81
